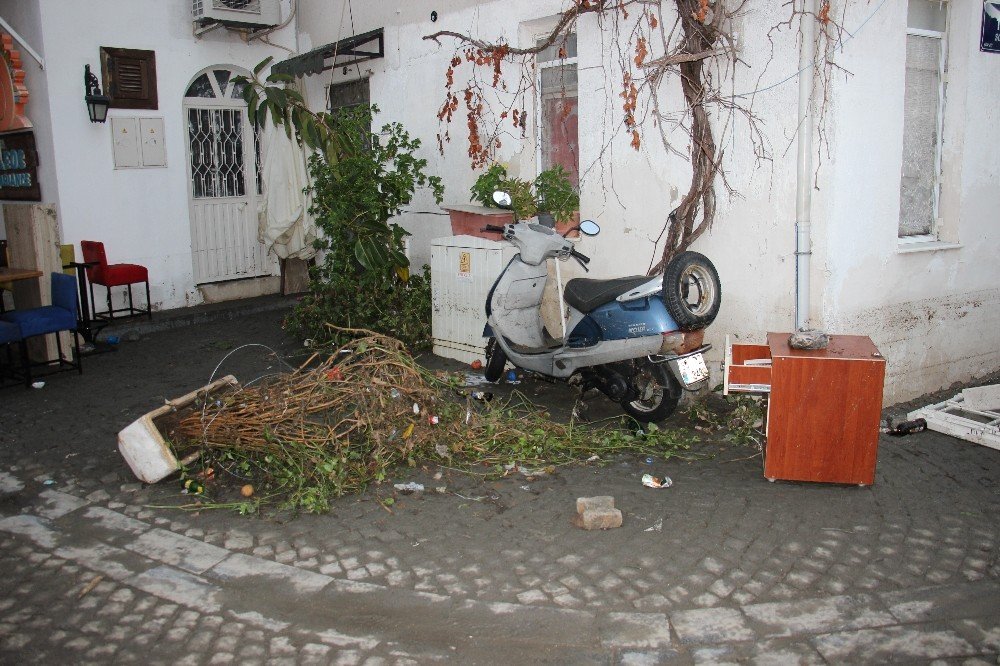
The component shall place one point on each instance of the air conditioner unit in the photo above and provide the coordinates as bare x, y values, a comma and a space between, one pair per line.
237, 13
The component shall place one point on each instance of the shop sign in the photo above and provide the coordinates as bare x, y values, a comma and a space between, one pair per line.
13, 92
19, 167
990, 41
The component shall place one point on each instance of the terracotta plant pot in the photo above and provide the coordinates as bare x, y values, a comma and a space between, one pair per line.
469, 220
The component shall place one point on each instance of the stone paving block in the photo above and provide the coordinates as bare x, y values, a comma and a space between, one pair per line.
38, 530
711, 625
944, 602
983, 633
815, 616
112, 562
634, 630
10, 484
239, 566
646, 657
57, 504
112, 520
878, 646
179, 587
177, 550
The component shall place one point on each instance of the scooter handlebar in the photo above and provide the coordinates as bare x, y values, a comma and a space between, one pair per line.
582, 258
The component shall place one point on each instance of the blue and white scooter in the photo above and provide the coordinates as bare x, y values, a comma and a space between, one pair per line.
637, 339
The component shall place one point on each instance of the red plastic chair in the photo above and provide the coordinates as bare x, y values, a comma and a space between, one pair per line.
114, 275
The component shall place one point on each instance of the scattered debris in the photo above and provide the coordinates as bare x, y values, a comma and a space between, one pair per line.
597, 513
982, 398
37, 385
94, 582
247, 490
475, 379
477, 365
409, 487
528, 472
960, 419
651, 481
655, 527
905, 428
810, 338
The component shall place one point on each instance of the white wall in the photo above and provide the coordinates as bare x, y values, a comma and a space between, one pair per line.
140, 214
934, 314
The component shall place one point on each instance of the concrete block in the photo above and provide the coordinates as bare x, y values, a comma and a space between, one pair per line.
598, 519
602, 502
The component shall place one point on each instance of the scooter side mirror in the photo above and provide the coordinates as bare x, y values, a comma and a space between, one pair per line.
589, 228
502, 199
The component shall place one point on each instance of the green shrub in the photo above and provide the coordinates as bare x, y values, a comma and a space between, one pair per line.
364, 279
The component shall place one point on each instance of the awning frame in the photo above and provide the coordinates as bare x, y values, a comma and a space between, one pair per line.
366, 46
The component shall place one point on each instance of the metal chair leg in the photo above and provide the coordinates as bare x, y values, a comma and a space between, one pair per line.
131, 305
111, 311
76, 346
149, 303
26, 363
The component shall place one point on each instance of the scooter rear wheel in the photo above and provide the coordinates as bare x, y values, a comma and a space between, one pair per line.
496, 360
692, 291
659, 393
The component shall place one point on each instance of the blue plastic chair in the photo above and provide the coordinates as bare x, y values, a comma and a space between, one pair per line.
55, 318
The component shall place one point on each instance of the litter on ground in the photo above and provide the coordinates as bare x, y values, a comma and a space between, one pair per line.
972, 415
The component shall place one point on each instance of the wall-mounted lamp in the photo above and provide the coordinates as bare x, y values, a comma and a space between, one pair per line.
97, 104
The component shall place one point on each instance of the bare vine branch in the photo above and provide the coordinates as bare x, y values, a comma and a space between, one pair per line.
655, 43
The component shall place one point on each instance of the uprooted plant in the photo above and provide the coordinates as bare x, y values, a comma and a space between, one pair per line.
345, 420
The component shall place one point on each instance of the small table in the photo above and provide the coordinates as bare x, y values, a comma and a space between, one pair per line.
12, 274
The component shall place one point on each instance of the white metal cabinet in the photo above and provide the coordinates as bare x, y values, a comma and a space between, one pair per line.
463, 269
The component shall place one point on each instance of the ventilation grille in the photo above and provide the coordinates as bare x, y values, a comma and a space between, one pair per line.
249, 6
239, 13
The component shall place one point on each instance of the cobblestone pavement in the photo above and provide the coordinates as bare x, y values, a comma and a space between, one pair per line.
722, 567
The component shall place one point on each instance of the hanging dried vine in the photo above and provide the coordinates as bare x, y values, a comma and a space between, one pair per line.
653, 41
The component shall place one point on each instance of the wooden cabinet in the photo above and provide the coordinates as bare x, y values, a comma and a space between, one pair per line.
824, 406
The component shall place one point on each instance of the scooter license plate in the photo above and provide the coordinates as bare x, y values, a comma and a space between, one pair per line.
692, 369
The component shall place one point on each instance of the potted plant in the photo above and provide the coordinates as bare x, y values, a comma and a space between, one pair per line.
555, 197
550, 197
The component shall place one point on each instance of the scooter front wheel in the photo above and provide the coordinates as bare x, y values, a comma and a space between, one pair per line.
496, 360
658, 392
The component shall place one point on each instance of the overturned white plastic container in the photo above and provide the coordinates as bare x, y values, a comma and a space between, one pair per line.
144, 448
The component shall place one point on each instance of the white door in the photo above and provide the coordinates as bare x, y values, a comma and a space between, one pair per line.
223, 182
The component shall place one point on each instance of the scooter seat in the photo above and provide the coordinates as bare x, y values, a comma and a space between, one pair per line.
585, 294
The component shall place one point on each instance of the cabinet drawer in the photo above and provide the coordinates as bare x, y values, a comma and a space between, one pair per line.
747, 369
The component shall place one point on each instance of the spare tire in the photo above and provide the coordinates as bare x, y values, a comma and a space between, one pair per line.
692, 291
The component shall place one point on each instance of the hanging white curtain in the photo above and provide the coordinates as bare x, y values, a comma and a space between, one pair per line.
285, 226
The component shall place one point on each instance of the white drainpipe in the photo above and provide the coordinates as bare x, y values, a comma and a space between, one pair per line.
803, 187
